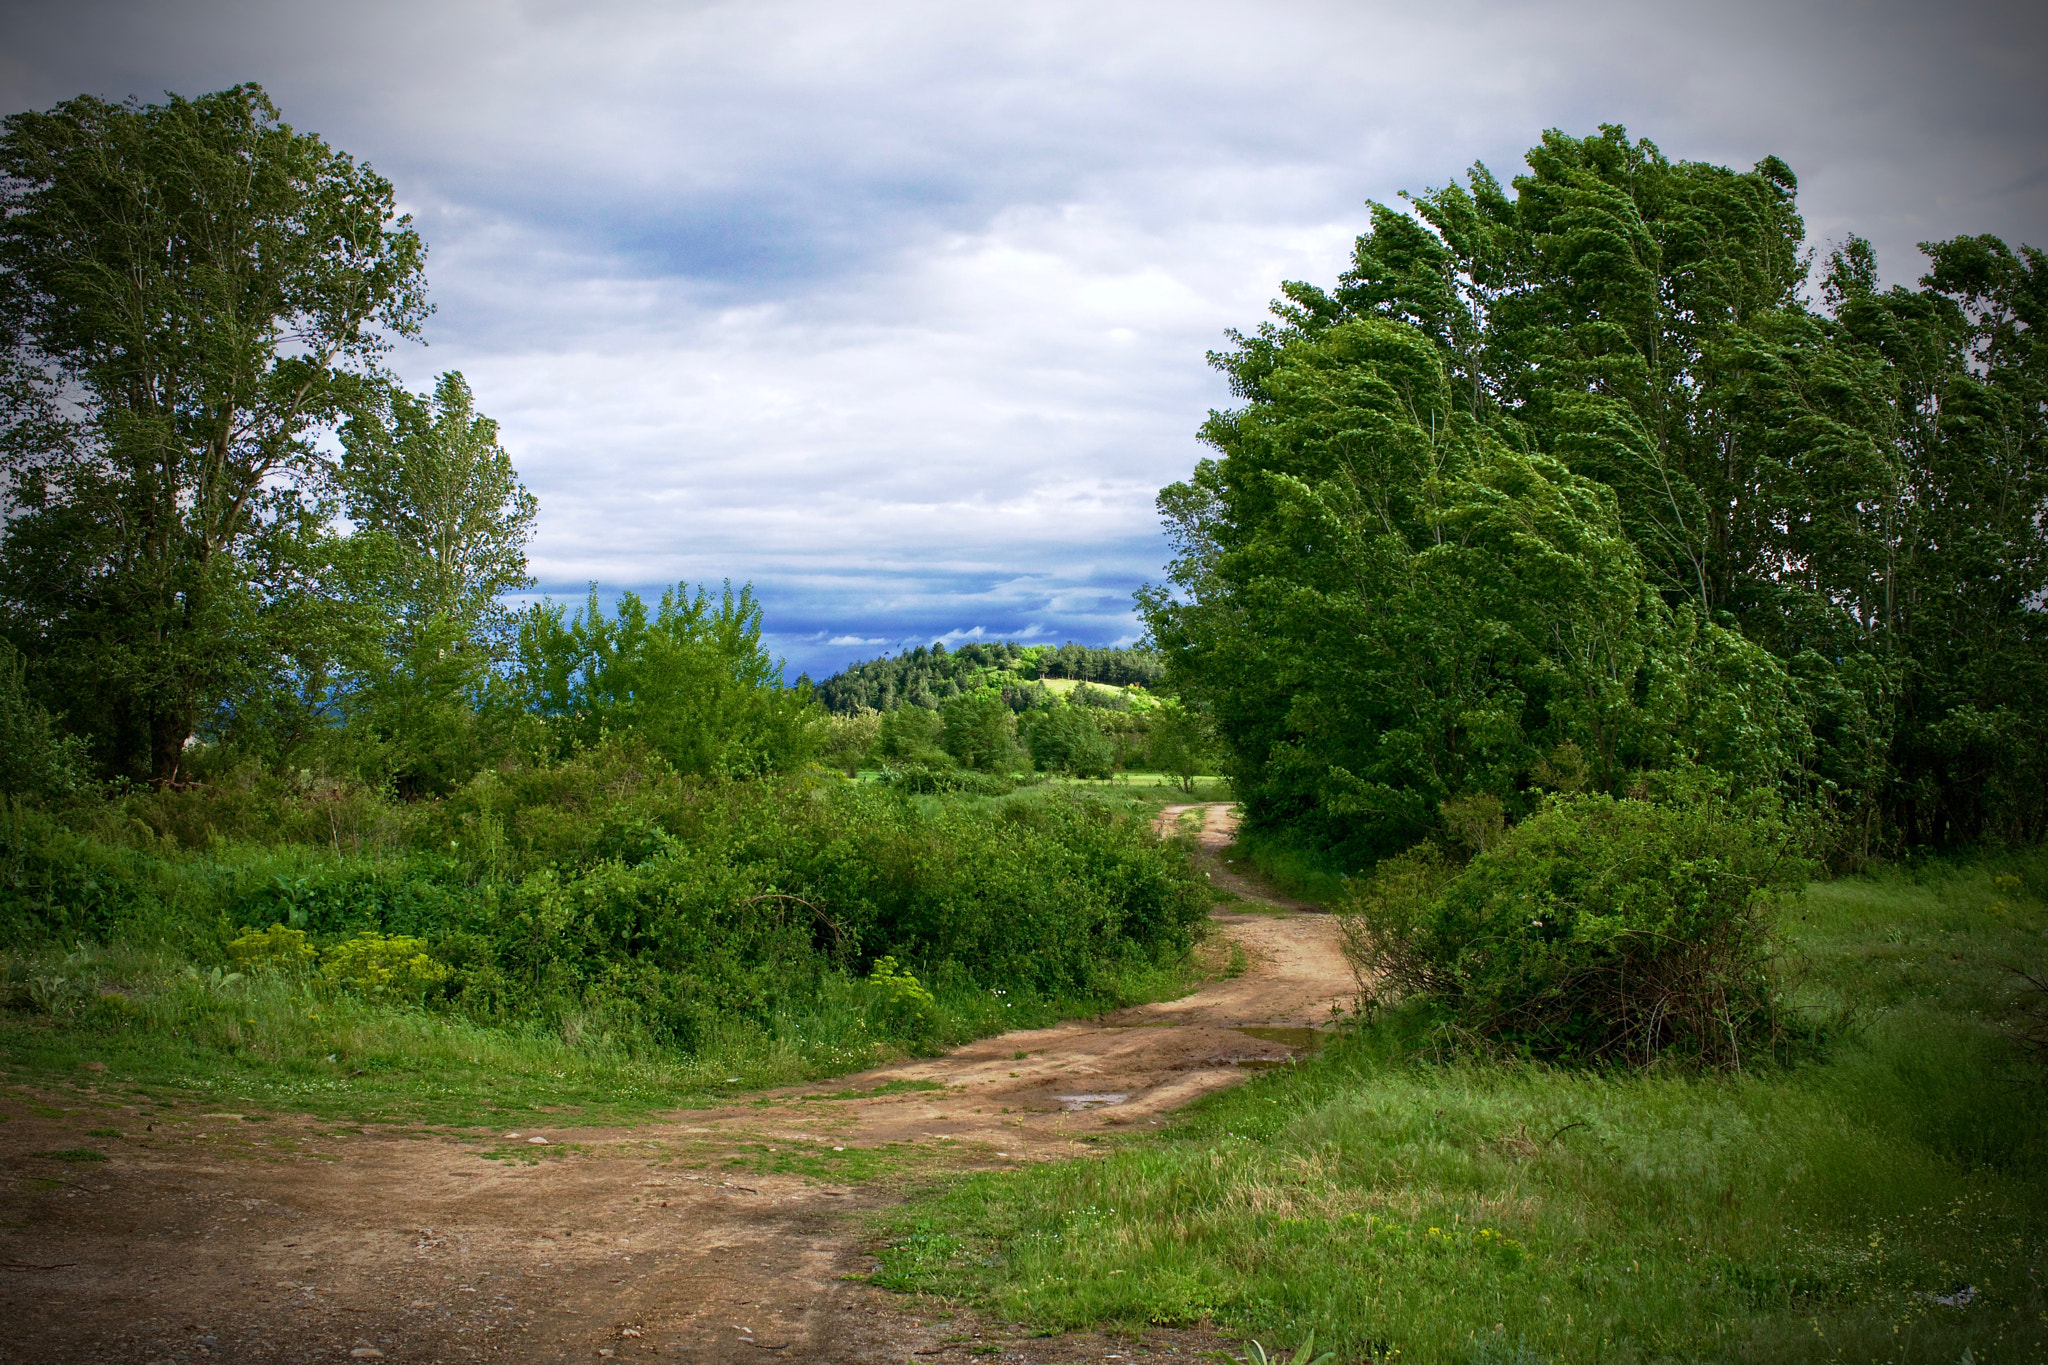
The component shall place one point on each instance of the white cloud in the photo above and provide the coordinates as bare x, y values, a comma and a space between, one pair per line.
898, 310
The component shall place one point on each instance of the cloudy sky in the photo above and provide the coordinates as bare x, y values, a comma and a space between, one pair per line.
898, 310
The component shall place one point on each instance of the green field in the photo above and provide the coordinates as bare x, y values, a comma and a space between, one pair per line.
1886, 1202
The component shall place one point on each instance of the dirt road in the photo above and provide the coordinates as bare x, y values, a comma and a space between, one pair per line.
724, 1235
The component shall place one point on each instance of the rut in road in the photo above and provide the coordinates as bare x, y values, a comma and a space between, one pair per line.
409, 1248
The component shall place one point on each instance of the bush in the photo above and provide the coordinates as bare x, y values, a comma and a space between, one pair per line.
381, 967
277, 948
1599, 930
36, 757
905, 1008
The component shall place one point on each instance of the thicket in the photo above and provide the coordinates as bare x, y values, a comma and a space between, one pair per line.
1599, 930
609, 889
1573, 472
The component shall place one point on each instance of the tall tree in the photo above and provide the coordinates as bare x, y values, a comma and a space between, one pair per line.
190, 293
426, 471
1861, 491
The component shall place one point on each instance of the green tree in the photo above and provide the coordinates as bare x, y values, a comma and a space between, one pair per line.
981, 732
440, 527
1840, 512
190, 293
1183, 744
1066, 739
690, 679
912, 735
426, 472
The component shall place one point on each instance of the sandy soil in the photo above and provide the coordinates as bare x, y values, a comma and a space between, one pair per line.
214, 1236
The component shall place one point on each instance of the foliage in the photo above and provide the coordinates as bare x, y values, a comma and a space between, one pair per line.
1597, 930
37, 758
981, 732
1385, 610
276, 948
926, 676
850, 740
190, 293
1065, 739
383, 966
608, 888
1572, 461
425, 473
912, 735
906, 1008
691, 680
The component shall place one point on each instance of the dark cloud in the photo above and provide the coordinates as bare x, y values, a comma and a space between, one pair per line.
898, 310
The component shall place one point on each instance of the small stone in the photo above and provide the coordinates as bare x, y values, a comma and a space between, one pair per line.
367, 1353
538, 1141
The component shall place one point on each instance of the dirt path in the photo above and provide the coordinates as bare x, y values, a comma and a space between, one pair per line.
724, 1235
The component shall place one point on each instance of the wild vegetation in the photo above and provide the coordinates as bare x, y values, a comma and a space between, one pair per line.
1573, 473
1405, 1198
289, 786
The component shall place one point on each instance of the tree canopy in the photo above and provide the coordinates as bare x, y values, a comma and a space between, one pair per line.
189, 294
1574, 466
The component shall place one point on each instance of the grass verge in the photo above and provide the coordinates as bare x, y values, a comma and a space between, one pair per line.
1887, 1204
144, 1020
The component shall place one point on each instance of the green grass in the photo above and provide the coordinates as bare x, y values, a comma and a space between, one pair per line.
1462, 1212
271, 1042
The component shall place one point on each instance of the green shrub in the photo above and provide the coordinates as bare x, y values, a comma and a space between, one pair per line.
905, 1008
607, 891
1599, 930
277, 948
382, 967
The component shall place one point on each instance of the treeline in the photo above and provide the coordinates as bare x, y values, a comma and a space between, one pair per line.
194, 297
928, 676
984, 740
1567, 483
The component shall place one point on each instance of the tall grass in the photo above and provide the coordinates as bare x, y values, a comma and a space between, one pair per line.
271, 1040
1889, 1203
599, 927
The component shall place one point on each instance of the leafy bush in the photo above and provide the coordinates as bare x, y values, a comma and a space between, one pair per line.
906, 1008
36, 757
609, 889
386, 967
1601, 929
277, 948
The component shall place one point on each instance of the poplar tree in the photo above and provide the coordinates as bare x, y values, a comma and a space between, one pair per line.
191, 293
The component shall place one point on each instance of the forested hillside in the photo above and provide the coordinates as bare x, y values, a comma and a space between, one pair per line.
1589, 477
927, 676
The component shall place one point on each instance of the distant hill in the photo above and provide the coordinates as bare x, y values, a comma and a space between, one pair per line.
927, 675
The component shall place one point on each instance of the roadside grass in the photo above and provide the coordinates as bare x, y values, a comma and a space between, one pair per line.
1886, 1203
143, 1020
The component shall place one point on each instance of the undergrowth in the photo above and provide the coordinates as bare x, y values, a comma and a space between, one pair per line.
596, 933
